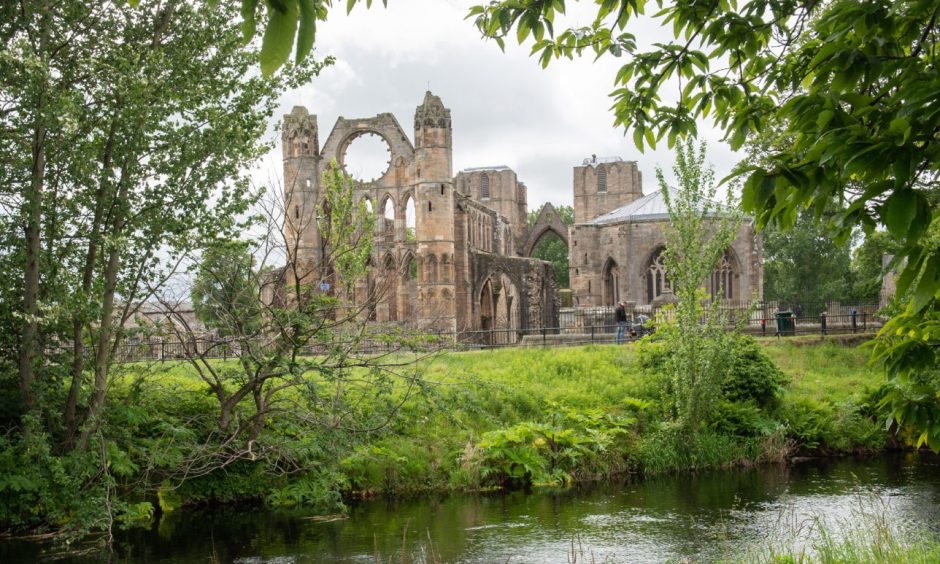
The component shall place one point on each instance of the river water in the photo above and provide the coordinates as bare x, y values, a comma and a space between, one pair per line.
701, 517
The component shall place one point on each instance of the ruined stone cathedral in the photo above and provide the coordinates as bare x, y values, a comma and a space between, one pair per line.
462, 268
466, 265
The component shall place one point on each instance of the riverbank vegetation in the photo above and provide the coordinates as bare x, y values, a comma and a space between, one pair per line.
479, 420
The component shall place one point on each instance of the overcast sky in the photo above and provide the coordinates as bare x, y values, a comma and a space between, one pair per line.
506, 109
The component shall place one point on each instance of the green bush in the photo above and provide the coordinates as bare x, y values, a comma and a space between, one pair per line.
808, 422
841, 428
752, 375
570, 444
41, 489
741, 419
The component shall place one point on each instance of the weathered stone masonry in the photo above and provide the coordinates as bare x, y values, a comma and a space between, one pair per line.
462, 270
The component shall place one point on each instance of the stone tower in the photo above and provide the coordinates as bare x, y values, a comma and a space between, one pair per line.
434, 214
301, 152
604, 184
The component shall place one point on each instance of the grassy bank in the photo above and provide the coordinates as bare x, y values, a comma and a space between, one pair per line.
553, 415
477, 420
510, 417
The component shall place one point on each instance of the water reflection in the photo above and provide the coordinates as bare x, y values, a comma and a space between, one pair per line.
706, 516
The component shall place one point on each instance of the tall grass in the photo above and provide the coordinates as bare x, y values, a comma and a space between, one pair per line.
868, 537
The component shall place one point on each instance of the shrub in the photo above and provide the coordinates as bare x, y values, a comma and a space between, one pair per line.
570, 444
822, 426
808, 422
752, 375
741, 419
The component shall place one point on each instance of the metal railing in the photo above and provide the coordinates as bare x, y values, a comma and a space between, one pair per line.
781, 326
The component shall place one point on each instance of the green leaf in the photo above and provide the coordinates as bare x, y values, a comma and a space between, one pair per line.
248, 19
307, 31
900, 127
897, 212
278, 36
927, 286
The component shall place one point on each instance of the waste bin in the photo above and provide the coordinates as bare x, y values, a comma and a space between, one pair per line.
786, 325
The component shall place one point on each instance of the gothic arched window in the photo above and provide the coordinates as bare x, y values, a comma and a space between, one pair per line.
722, 280
485, 187
656, 280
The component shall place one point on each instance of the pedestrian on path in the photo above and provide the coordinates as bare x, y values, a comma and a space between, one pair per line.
620, 316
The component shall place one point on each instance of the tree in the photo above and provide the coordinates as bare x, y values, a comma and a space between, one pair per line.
868, 267
551, 247
700, 233
804, 266
851, 81
118, 161
301, 352
226, 289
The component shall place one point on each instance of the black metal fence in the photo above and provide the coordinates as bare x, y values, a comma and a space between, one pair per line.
597, 331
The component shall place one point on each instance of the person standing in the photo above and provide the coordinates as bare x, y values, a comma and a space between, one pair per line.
620, 316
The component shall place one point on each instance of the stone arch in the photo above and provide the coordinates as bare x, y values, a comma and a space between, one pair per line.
386, 208
548, 221
407, 213
408, 294
499, 307
486, 306
611, 282
390, 267
409, 263
430, 273
446, 263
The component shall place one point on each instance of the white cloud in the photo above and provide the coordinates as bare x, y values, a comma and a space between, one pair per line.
505, 108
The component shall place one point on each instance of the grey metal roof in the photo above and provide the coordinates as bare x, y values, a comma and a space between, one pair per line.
479, 168
651, 207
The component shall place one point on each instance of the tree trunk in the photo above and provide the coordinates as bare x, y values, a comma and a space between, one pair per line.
30, 332
33, 202
78, 348
106, 322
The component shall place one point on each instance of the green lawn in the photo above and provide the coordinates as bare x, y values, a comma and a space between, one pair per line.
826, 371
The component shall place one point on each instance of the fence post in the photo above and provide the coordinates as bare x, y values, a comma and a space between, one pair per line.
822, 322
864, 321
592, 334
162, 350
763, 327
543, 337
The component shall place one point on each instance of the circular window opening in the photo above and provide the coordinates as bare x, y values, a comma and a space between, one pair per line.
367, 157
